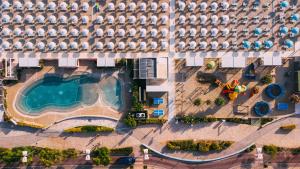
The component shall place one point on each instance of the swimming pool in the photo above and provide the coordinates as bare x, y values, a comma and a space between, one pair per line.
63, 94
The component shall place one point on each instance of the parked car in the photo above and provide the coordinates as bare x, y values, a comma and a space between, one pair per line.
125, 160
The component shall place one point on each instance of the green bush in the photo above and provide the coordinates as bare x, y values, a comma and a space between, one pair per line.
101, 156
215, 147
152, 121
295, 151
204, 146
130, 121
270, 149
266, 120
69, 153
288, 127
197, 102
121, 151
266, 79
49, 157
220, 101
89, 129
250, 149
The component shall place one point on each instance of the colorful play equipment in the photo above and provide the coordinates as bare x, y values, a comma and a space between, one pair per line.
274, 91
233, 89
262, 108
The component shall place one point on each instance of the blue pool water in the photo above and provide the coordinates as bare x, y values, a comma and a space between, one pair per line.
59, 94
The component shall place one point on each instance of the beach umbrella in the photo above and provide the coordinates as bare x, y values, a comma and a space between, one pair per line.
18, 5
294, 17
153, 45
153, 20
203, 31
51, 6
182, 19
28, 19
288, 43
181, 32
143, 6
74, 19
52, 46
17, 32
63, 45
132, 6
5, 45
295, 30
181, 6
29, 32
193, 19
164, 6
63, 19
225, 19
99, 19
52, 32
225, 31
18, 19
63, 32
121, 32
52, 19
63, 6
74, 45
111, 6
224, 5
203, 45
99, 32
164, 19
257, 45
29, 5
214, 6
74, 6
29, 45
132, 32
164, 32
143, 45
5, 5
6, 32
214, 19
153, 6
85, 45
193, 45
5, 18
41, 32
40, 5
203, 19
193, 32
203, 6
85, 6
110, 19
110, 32
246, 44
143, 19
122, 19
132, 45
74, 32
214, 32
99, 45
142, 32
214, 45
41, 45
153, 33
18, 45
121, 6
284, 4
192, 6
85, 19
121, 45
164, 44
181, 45
225, 45
257, 31
132, 19
268, 44
283, 30
110, 45
40, 19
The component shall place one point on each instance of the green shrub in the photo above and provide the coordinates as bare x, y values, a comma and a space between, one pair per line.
152, 121
204, 146
130, 121
49, 157
96, 161
288, 127
215, 147
121, 151
250, 149
197, 102
220, 101
295, 151
266, 120
208, 102
270, 149
88, 129
102, 154
267, 79
69, 153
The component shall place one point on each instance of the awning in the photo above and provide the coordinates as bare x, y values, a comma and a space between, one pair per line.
28, 62
68, 62
105, 62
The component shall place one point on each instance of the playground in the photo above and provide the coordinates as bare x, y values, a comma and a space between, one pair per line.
240, 92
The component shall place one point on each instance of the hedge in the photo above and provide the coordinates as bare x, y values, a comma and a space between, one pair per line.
271, 149
121, 151
201, 145
151, 121
101, 156
88, 129
288, 127
24, 124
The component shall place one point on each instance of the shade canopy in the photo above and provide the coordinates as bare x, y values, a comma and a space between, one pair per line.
284, 30
295, 17
257, 31
257, 45
203, 6
284, 4
268, 44
295, 30
246, 44
288, 43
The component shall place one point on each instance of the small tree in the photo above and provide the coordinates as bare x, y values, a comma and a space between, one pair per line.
220, 101
266, 79
130, 121
197, 102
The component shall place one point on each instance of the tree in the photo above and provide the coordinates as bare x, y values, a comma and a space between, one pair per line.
101, 156
130, 121
267, 79
69, 153
220, 101
197, 102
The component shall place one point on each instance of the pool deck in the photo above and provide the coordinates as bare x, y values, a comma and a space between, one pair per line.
50, 117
